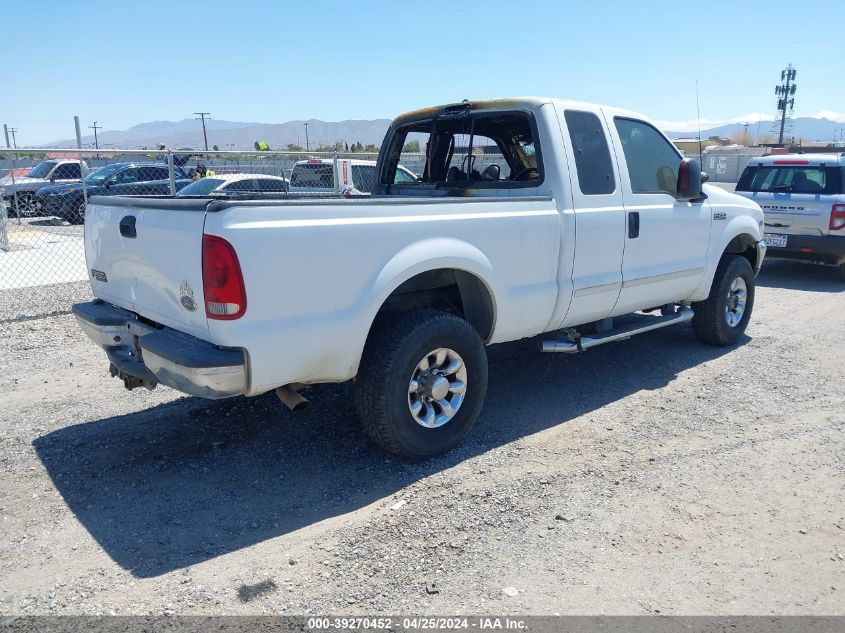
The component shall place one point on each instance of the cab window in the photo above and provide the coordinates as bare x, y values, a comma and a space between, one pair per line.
68, 171
468, 149
653, 162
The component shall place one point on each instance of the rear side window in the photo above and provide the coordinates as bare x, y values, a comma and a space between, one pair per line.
364, 177
148, 174
271, 184
592, 155
316, 175
653, 162
810, 179
246, 184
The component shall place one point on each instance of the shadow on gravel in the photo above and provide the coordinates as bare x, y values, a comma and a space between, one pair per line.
800, 276
51, 221
191, 480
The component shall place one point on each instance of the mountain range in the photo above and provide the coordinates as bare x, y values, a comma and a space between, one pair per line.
242, 135
235, 134
806, 128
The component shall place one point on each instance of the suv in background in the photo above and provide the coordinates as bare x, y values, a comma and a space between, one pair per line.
355, 177
47, 172
803, 201
116, 179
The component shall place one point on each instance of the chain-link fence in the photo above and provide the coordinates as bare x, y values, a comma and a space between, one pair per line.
45, 193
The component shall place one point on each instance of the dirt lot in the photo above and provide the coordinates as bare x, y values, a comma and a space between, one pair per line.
654, 475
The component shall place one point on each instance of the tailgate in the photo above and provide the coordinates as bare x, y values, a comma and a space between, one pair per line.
796, 214
145, 255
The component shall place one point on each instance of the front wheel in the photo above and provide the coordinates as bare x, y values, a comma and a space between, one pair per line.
722, 318
421, 384
25, 205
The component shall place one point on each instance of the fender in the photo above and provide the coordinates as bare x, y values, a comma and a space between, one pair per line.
423, 256
432, 254
737, 225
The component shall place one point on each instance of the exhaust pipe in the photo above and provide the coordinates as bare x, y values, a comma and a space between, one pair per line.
291, 398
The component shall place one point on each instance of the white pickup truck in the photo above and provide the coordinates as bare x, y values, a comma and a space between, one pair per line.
581, 214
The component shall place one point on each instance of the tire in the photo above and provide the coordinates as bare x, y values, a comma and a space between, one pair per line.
385, 397
25, 206
841, 272
722, 318
78, 216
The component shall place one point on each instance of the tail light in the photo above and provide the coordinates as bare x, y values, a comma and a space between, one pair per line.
837, 217
222, 281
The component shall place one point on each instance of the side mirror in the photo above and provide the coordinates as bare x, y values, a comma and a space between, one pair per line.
52, 179
108, 184
689, 180
705, 177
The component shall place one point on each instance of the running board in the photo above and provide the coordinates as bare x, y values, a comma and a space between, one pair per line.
586, 342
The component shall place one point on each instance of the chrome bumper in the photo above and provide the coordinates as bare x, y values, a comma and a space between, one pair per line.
761, 255
143, 355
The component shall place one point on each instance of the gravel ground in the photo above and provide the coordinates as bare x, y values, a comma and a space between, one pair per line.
655, 475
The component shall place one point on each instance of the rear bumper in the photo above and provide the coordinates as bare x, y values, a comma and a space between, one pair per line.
828, 249
144, 355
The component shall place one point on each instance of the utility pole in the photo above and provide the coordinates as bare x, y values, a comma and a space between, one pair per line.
306, 136
12, 131
96, 127
202, 116
786, 97
6, 134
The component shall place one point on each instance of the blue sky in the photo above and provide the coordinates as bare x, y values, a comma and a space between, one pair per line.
123, 63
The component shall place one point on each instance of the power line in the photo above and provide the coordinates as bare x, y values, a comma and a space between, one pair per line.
202, 116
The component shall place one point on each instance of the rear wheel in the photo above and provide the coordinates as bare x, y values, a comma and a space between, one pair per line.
842, 272
722, 318
421, 384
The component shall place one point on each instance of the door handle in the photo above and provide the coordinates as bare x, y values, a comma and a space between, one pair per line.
633, 224
127, 227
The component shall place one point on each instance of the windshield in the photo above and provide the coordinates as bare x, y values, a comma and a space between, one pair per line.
42, 169
100, 176
201, 187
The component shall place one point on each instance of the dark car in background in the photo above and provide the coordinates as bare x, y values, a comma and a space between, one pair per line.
116, 179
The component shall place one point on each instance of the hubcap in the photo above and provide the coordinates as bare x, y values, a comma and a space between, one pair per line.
735, 307
437, 388
26, 203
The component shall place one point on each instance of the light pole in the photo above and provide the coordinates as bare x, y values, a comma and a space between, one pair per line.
306, 136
